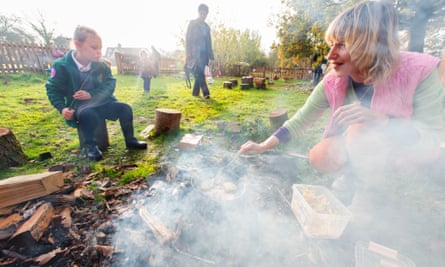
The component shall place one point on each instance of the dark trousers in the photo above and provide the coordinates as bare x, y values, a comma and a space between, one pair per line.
88, 117
147, 82
200, 81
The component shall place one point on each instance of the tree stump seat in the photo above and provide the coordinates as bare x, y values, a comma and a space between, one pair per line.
247, 80
11, 153
245, 86
167, 120
100, 134
277, 118
260, 83
227, 84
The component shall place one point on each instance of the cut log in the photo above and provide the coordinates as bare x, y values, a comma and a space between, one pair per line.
100, 134
227, 85
9, 225
234, 82
10, 220
247, 80
18, 189
11, 153
167, 120
160, 231
146, 132
37, 224
277, 118
260, 83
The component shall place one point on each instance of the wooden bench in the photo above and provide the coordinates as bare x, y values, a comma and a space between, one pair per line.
101, 135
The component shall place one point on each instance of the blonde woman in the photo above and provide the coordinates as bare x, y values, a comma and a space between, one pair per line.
385, 105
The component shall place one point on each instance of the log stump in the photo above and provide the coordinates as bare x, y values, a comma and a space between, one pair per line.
234, 82
260, 83
11, 153
227, 84
247, 80
245, 86
277, 118
166, 120
100, 134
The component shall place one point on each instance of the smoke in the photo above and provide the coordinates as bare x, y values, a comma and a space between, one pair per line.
252, 224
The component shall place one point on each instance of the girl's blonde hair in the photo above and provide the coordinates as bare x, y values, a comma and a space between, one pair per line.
369, 31
82, 32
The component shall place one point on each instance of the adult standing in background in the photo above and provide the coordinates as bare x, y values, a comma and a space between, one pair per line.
199, 52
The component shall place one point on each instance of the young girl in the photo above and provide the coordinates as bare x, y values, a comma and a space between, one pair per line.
148, 69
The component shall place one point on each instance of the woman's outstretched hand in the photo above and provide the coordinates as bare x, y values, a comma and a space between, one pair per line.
251, 147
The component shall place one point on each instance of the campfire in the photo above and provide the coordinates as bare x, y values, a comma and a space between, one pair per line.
208, 207
218, 211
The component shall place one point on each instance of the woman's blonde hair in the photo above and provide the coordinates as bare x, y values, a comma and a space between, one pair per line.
369, 31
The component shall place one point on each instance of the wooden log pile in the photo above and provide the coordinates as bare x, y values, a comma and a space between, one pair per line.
67, 227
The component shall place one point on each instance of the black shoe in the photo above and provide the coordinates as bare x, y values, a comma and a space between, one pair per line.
94, 153
207, 96
135, 144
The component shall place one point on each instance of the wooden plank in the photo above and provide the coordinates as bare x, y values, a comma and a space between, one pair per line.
18, 189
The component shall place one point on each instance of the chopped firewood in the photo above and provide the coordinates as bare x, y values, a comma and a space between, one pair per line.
116, 191
146, 132
190, 141
160, 231
66, 219
7, 232
10, 220
60, 199
83, 193
45, 258
106, 251
38, 223
18, 189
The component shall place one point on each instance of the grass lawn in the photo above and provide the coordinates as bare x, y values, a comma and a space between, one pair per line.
24, 109
39, 128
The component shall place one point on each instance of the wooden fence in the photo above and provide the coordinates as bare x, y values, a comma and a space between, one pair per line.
19, 57
274, 73
126, 63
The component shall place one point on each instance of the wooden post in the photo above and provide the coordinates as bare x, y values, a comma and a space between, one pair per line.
277, 118
166, 120
11, 153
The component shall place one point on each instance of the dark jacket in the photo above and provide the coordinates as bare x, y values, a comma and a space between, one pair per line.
198, 45
65, 81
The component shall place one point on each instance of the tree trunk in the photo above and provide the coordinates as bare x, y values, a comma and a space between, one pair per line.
11, 153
